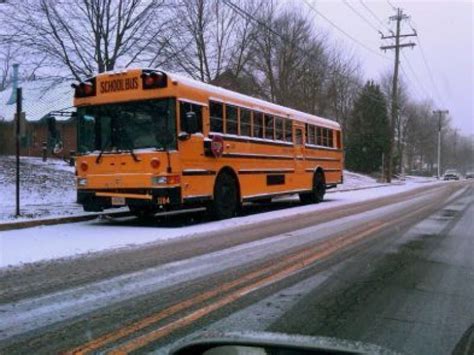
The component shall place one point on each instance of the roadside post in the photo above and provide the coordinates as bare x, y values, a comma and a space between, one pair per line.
17, 148
72, 154
44, 151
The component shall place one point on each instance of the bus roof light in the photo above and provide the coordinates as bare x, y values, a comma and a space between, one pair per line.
153, 79
84, 89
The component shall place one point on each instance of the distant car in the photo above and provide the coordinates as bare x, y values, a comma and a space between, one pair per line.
470, 175
451, 175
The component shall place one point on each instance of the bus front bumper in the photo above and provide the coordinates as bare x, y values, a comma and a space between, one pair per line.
98, 200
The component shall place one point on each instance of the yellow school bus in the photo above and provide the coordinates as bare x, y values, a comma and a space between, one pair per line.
153, 140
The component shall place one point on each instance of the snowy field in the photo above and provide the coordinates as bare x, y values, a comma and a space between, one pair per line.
62, 241
48, 189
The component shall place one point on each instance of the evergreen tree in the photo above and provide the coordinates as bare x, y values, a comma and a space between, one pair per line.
368, 131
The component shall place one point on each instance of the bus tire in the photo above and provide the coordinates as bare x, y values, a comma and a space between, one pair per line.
226, 197
319, 189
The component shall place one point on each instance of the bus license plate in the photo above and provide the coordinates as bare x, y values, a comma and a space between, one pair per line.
118, 201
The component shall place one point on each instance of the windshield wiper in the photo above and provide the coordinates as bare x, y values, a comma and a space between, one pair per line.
106, 145
129, 146
132, 153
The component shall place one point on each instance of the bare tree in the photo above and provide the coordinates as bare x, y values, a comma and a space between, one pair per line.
420, 136
400, 122
289, 60
87, 36
6, 61
344, 84
212, 40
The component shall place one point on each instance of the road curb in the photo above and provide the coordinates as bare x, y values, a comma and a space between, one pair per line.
365, 187
58, 220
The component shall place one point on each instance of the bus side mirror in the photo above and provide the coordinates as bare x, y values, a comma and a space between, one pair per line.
192, 125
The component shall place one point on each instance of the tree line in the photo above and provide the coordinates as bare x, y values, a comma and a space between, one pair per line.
264, 48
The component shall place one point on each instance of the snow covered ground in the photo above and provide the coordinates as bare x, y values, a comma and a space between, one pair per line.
67, 240
46, 188
354, 180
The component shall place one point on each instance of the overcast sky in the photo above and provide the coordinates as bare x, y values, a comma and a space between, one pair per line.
445, 30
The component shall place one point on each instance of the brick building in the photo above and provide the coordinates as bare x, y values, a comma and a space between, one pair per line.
49, 118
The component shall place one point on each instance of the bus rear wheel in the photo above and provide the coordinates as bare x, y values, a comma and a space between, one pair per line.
226, 197
318, 192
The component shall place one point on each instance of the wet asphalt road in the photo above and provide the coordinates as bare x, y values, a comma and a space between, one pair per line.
418, 298
410, 290
407, 286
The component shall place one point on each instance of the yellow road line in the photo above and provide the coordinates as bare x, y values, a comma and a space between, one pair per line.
303, 259
232, 297
167, 312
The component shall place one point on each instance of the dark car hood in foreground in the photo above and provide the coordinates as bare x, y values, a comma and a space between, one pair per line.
304, 344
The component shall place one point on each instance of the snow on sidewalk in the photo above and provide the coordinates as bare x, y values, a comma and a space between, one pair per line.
67, 240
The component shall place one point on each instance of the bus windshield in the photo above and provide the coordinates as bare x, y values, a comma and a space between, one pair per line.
127, 126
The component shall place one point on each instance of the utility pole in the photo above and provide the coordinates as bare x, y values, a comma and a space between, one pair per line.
440, 114
399, 17
16, 99
455, 149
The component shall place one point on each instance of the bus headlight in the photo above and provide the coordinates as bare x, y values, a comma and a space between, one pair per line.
165, 180
81, 181
159, 180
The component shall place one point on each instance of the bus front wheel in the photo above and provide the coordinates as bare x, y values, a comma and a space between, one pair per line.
318, 192
226, 197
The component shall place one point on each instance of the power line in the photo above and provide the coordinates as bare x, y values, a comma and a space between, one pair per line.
312, 8
391, 5
360, 15
428, 68
374, 15
407, 78
404, 56
422, 88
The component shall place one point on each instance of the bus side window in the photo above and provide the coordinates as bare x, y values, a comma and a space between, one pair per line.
245, 124
298, 136
216, 114
338, 139
288, 130
325, 137
278, 128
331, 139
309, 134
319, 136
184, 108
257, 125
269, 127
231, 119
